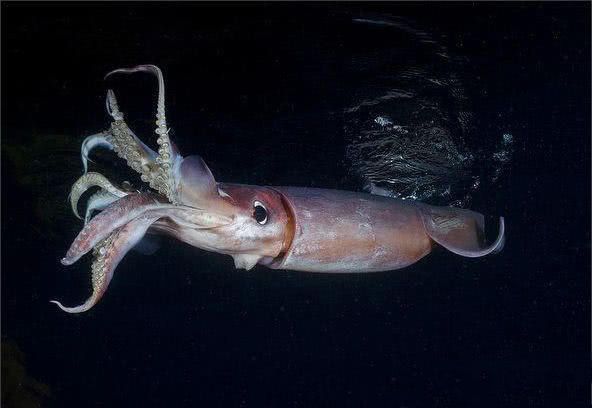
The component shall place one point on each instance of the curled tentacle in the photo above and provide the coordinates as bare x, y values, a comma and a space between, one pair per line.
113, 106
120, 226
137, 155
127, 145
126, 216
102, 139
163, 178
87, 181
160, 106
123, 141
107, 255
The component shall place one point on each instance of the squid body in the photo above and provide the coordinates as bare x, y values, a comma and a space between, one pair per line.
295, 228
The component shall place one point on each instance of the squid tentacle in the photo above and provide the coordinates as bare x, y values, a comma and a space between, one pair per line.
123, 141
87, 181
98, 202
113, 217
130, 207
107, 255
102, 139
127, 145
112, 106
163, 178
125, 217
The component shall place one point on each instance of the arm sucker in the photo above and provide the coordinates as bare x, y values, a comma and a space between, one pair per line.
87, 181
162, 178
107, 255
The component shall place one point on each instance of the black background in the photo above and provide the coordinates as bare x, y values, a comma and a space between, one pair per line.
258, 91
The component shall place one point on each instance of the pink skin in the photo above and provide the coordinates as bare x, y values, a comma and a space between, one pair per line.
312, 230
112, 218
304, 229
122, 240
244, 238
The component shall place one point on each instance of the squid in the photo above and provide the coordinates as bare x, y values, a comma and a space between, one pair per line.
293, 228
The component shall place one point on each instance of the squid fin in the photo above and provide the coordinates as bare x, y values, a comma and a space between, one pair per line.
460, 231
197, 184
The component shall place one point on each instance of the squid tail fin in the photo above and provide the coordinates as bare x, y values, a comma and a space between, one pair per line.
461, 231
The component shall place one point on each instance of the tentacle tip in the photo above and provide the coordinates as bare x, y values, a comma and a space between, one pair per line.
75, 211
65, 261
55, 302
116, 71
73, 310
120, 71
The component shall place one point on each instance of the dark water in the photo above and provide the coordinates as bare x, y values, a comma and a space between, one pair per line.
267, 95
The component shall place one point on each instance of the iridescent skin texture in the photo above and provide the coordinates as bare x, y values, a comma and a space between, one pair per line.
296, 228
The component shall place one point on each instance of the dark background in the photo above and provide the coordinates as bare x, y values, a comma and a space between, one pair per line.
258, 91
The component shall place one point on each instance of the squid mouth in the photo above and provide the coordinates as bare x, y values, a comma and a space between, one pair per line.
126, 215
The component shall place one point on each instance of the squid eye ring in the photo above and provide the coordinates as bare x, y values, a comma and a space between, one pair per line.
259, 213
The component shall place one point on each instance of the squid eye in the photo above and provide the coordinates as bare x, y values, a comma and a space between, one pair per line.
259, 213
